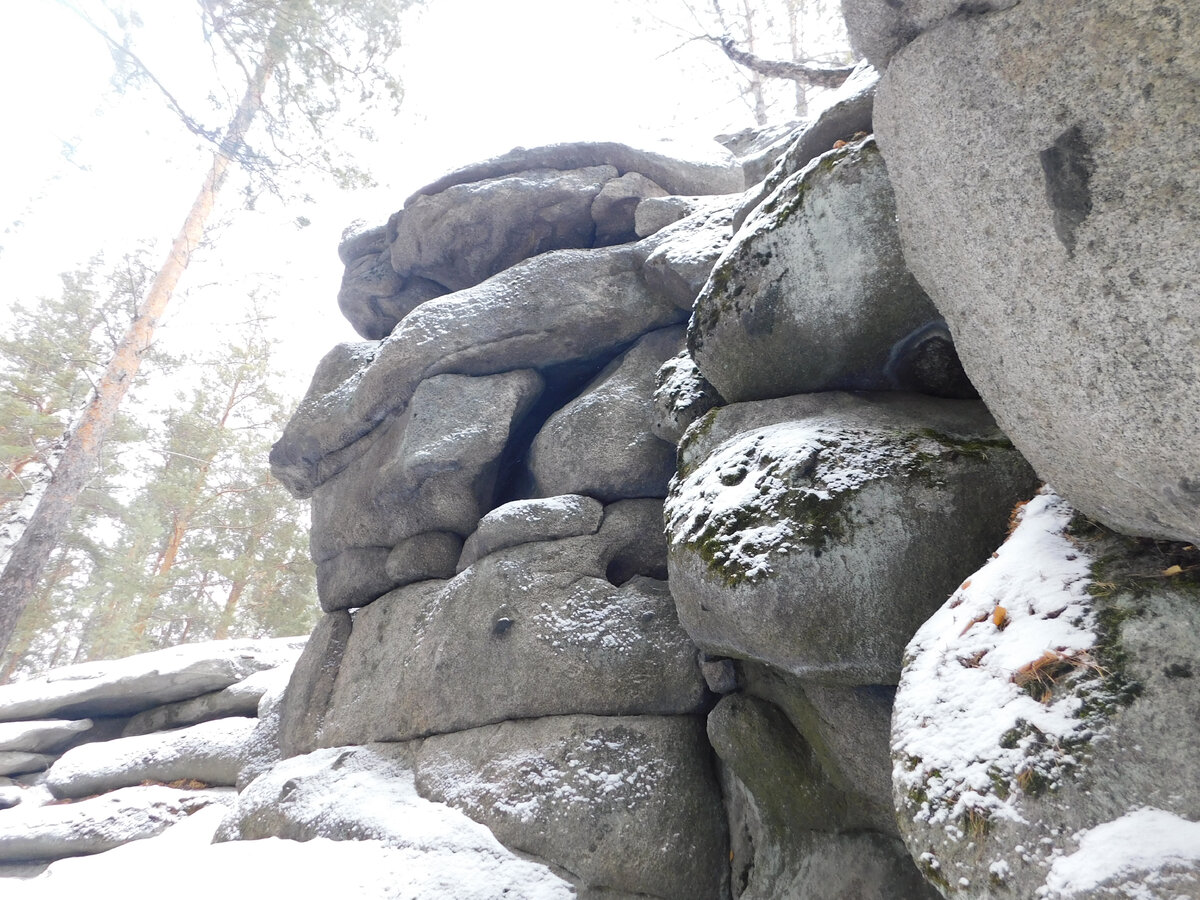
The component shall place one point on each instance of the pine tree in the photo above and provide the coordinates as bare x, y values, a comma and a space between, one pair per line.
299, 59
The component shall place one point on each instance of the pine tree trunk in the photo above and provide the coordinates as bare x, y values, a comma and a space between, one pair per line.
24, 569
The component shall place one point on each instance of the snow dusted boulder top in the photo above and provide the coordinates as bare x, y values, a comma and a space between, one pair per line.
367, 794
124, 686
679, 169
817, 532
41, 737
1048, 708
31, 832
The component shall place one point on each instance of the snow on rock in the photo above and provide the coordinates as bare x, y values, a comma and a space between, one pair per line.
211, 752
1051, 696
367, 794
123, 686
970, 721
183, 864
40, 737
1145, 854
30, 832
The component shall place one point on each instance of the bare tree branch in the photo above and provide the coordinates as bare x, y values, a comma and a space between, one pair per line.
825, 76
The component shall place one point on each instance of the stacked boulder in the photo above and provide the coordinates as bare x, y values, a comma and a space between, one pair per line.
134, 745
504, 612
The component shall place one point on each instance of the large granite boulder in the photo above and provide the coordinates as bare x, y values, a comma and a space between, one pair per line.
677, 258
565, 306
432, 468
813, 294
601, 444
44, 736
817, 532
532, 630
524, 521
1040, 208
878, 29
626, 804
1051, 701
469, 232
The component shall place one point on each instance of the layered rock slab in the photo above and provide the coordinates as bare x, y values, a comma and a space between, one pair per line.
1040, 207
564, 306
813, 293
1051, 698
816, 532
534, 630
623, 803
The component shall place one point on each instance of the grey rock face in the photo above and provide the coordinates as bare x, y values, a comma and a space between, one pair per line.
210, 752
432, 468
41, 737
358, 241
433, 554
240, 699
879, 29
1077, 326
816, 532
307, 696
374, 301
656, 213
601, 444
624, 803
813, 294
559, 307
614, 208
530, 631
685, 173
353, 578
1050, 706
681, 396
524, 521
469, 232
121, 687
677, 258
22, 762
97, 824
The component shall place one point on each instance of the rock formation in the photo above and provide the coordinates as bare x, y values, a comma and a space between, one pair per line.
660, 529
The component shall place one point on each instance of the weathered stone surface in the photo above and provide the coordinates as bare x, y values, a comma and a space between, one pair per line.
565, 306
123, 686
626, 803
879, 29
358, 241
469, 232
433, 554
847, 115
614, 208
676, 260
601, 443
785, 810
41, 737
1051, 701
373, 298
655, 213
96, 824
432, 468
367, 793
262, 749
817, 532
530, 631
686, 172
210, 752
307, 696
681, 396
1059, 253
353, 578
22, 762
813, 294
524, 521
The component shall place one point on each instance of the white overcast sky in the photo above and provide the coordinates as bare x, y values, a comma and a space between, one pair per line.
481, 76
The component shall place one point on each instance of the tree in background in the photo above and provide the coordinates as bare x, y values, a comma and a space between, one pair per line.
300, 62
781, 49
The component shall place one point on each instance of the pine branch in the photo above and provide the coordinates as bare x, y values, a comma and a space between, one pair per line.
805, 72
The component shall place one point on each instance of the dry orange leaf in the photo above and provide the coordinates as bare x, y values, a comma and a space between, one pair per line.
1000, 617
1173, 570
